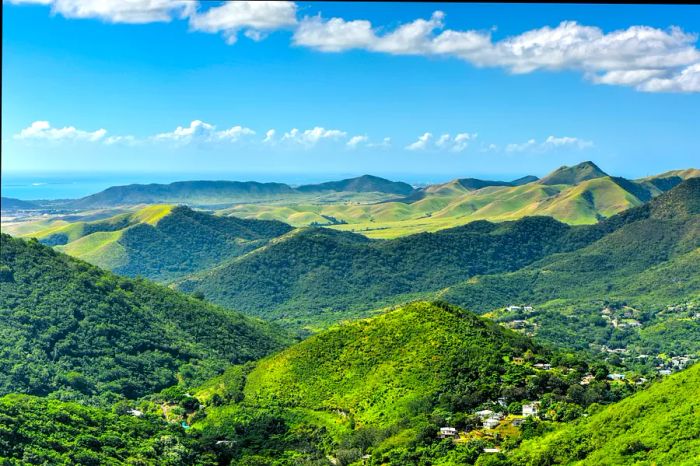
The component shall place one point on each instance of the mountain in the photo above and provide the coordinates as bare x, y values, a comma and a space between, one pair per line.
384, 386
161, 242
659, 425
44, 431
645, 257
10, 204
573, 175
72, 331
191, 192
313, 274
361, 184
575, 195
228, 192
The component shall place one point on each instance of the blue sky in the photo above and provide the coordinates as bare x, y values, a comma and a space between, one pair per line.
416, 90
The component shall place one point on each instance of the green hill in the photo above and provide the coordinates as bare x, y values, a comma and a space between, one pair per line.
647, 259
383, 386
659, 425
9, 204
582, 194
361, 184
573, 175
37, 430
161, 242
310, 275
72, 331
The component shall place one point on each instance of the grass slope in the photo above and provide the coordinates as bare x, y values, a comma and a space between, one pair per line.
160, 242
73, 331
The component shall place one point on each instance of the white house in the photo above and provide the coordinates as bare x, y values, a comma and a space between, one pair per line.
447, 432
491, 422
530, 409
616, 376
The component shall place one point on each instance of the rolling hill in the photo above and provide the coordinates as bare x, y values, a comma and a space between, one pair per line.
314, 274
361, 184
161, 242
209, 193
582, 194
381, 386
647, 258
659, 425
9, 204
72, 331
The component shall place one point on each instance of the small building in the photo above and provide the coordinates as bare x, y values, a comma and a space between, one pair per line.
587, 379
448, 432
518, 360
484, 413
491, 422
531, 409
543, 366
135, 412
492, 450
517, 422
616, 376
528, 309
665, 372
513, 308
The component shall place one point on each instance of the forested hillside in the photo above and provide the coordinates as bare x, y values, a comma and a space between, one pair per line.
384, 386
72, 331
648, 260
37, 430
659, 425
307, 273
160, 242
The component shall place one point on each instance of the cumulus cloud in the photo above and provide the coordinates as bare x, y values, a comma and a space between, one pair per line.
458, 143
269, 136
118, 11
552, 142
311, 137
199, 130
421, 143
649, 59
43, 130
356, 141
255, 18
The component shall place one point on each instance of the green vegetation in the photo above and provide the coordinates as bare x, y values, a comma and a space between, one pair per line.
160, 242
41, 431
384, 386
311, 275
648, 261
74, 332
659, 425
582, 194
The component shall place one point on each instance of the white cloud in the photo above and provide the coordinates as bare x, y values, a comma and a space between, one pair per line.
234, 133
552, 142
196, 129
649, 59
457, 143
421, 143
118, 11
205, 132
43, 130
357, 140
311, 137
129, 140
269, 136
255, 18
